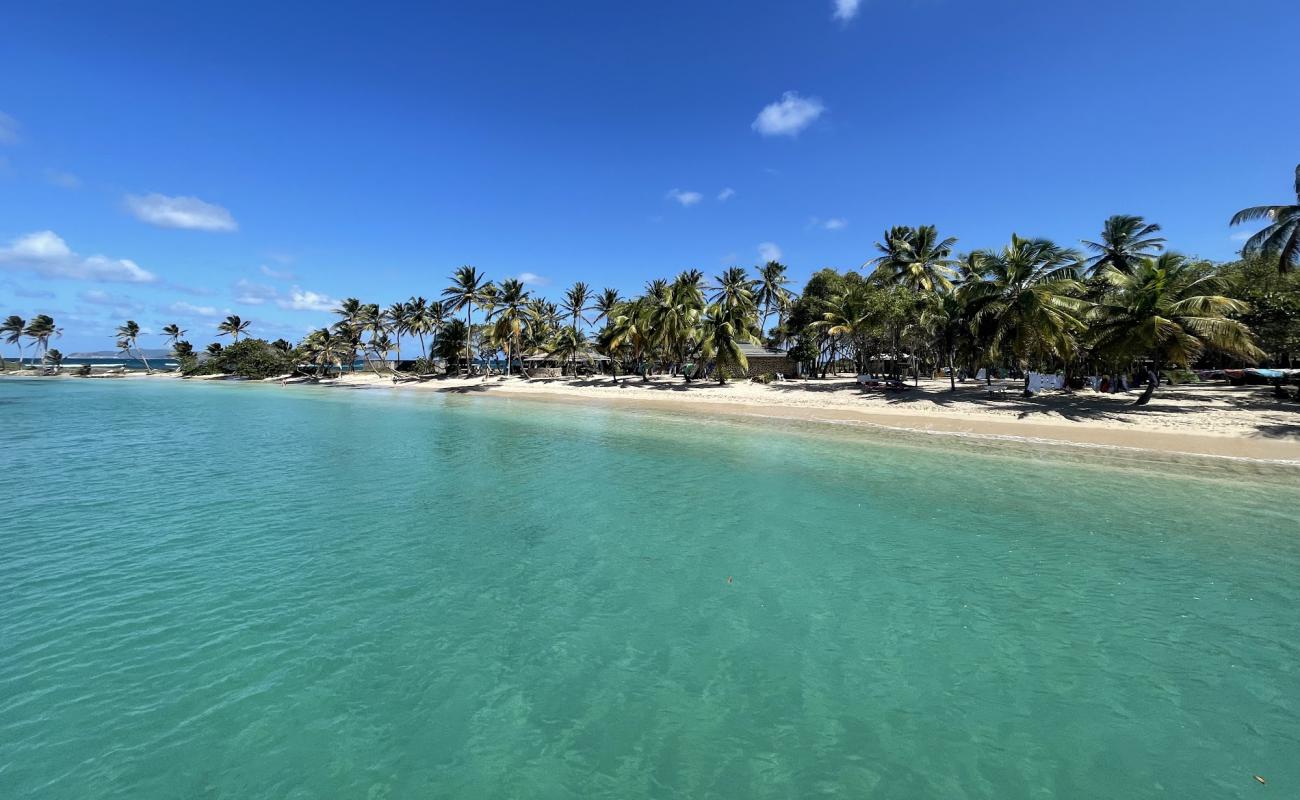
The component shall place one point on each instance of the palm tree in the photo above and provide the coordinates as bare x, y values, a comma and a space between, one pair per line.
173, 333
675, 316
734, 294
40, 330
1282, 236
129, 335
575, 302
568, 343
631, 328
944, 318
1125, 239
419, 320
233, 326
325, 349
55, 359
1029, 295
606, 302
771, 290
468, 288
915, 258
720, 341
511, 318
12, 329
214, 349
399, 322
381, 344
1169, 311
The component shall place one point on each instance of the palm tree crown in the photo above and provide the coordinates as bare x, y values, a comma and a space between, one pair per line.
1281, 238
233, 326
1125, 239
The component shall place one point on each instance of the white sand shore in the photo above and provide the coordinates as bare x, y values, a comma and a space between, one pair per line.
1206, 419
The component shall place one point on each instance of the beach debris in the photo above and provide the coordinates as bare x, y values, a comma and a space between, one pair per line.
1260, 778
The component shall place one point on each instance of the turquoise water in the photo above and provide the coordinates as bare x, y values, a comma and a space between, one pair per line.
265, 592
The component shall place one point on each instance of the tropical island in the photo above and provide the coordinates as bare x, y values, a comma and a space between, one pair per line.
1001, 340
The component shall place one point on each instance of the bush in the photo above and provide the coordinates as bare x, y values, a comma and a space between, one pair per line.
250, 358
766, 377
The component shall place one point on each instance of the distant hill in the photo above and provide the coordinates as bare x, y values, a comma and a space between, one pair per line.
149, 352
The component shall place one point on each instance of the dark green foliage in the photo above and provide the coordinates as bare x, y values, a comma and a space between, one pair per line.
252, 358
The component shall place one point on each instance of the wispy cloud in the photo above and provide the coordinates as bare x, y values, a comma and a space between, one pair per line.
789, 115
190, 310
533, 279
845, 10
118, 303
1241, 236
8, 129
726, 194
253, 294
45, 254
305, 300
768, 251
730, 258
188, 213
63, 179
277, 274
831, 224
686, 198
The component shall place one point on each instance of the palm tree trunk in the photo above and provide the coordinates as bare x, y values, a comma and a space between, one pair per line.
1153, 380
952, 373
147, 368
469, 337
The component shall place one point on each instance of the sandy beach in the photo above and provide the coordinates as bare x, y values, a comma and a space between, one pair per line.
1203, 419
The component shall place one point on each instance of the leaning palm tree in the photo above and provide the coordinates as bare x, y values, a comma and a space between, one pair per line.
1281, 239
468, 288
129, 334
54, 358
233, 326
40, 330
771, 291
1028, 295
720, 342
325, 349
173, 333
1125, 240
12, 330
1167, 310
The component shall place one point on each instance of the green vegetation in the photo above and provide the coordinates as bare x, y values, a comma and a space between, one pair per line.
1120, 305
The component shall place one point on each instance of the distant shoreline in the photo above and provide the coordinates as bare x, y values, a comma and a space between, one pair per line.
1238, 422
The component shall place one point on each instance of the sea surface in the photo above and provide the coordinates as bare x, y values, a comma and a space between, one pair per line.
252, 591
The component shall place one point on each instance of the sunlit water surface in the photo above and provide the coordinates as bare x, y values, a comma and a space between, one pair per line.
266, 592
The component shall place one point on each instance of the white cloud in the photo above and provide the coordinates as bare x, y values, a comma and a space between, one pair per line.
44, 253
846, 10
726, 194
189, 213
533, 279
304, 300
253, 294
831, 224
789, 115
768, 251
278, 274
8, 129
116, 302
189, 309
684, 197
59, 178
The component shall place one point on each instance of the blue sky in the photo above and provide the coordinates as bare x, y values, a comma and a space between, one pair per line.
179, 161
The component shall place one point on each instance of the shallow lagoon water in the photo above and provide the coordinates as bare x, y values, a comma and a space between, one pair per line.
254, 591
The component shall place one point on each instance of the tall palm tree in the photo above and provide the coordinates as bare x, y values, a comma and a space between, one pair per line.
468, 288
914, 257
325, 349
419, 320
734, 294
575, 304
233, 326
349, 327
12, 329
1125, 240
511, 318
1029, 294
606, 303
569, 341
1170, 312
772, 291
631, 328
40, 330
720, 341
1282, 236
129, 335
397, 316
675, 317
944, 318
